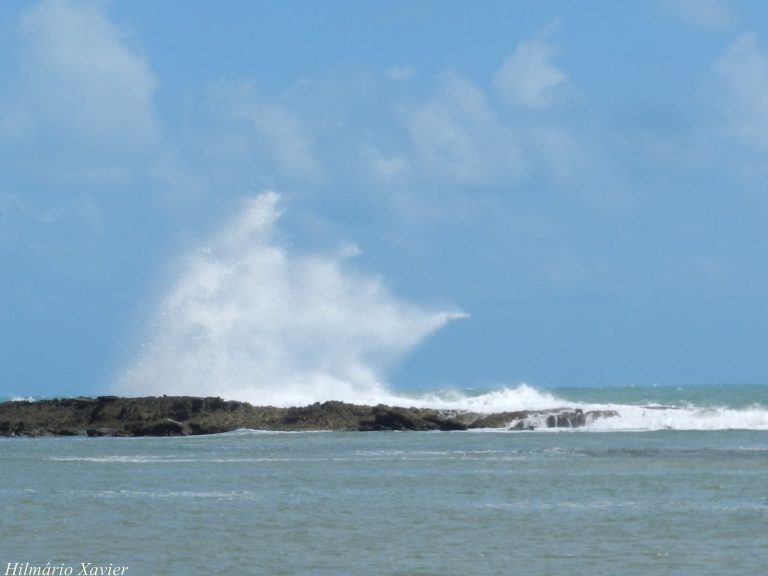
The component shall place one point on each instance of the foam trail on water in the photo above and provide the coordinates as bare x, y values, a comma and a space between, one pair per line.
249, 320
642, 418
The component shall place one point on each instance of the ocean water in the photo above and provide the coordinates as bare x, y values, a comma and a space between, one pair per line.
684, 494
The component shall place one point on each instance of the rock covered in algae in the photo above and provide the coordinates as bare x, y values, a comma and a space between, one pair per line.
187, 415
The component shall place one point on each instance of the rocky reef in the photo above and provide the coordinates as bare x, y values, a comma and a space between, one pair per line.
185, 415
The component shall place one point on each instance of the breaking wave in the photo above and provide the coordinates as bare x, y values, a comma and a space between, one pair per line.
522, 397
641, 418
714, 414
247, 319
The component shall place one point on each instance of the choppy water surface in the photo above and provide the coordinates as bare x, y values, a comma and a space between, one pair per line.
663, 502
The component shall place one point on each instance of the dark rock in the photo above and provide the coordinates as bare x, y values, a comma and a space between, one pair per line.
445, 424
165, 427
395, 419
566, 420
576, 418
184, 415
500, 420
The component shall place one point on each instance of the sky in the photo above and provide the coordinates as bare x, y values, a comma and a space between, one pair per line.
415, 194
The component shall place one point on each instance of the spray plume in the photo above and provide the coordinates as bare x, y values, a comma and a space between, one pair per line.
249, 320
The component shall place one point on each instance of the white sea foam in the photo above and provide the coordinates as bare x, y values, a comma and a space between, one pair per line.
685, 418
521, 397
650, 416
196, 494
161, 459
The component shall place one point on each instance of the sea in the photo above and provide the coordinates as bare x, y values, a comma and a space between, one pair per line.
676, 484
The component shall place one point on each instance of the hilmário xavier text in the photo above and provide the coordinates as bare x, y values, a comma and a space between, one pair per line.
61, 569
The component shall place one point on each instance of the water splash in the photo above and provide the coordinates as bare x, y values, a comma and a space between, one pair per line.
640, 416
508, 399
249, 320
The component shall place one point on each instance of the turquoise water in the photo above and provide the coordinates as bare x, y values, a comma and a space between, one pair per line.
676, 502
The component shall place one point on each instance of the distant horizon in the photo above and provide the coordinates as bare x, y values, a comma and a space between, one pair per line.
420, 391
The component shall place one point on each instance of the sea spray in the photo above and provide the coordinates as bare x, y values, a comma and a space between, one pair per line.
716, 410
248, 319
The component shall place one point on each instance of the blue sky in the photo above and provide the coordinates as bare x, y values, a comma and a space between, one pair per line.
467, 194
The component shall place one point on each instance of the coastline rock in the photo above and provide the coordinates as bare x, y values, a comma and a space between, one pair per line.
186, 415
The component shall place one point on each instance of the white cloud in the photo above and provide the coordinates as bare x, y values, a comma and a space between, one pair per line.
528, 78
399, 73
458, 137
562, 155
742, 71
708, 14
260, 130
387, 167
249, 320
80, 85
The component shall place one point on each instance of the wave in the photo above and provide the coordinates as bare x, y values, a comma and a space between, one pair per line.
630, 416
20, 398
116, 459
647, 416
192, 494
640, 418
249, 319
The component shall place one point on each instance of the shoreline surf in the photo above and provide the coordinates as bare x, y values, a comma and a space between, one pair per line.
730, 407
